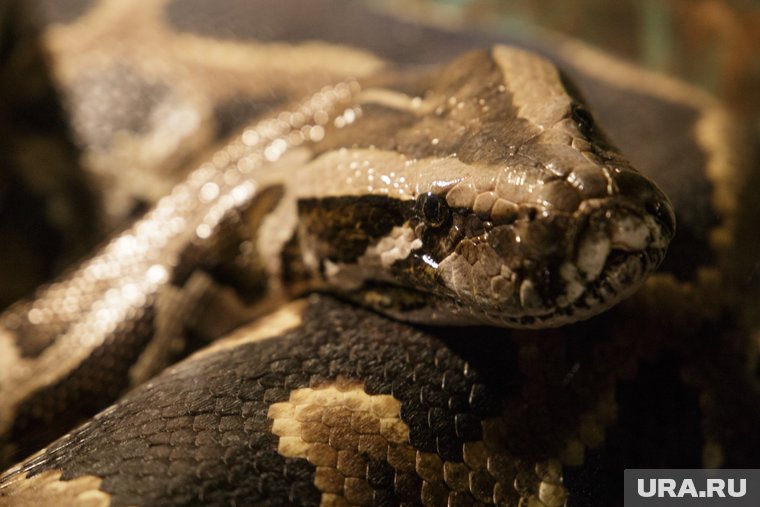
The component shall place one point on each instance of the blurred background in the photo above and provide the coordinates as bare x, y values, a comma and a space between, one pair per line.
714, 44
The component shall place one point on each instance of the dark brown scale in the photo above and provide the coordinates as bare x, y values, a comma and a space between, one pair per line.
467, 249
503, 240
473, 226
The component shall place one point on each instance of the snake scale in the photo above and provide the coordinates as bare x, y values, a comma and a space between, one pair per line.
385, 222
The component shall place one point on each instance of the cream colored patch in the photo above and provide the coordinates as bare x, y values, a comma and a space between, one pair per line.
462, 195
715, 132
10, 362
47, 489
396, 100
339, 428
198, 72
9, 356
399, 243
630, 233
592, 254
373, 171
273, 325
535, 85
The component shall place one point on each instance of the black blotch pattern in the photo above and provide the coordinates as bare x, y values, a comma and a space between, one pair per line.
352, 23
65, 11
84, 391
200, 429
658, 427
343, 227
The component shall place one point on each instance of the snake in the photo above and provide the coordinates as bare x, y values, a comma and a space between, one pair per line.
460, 227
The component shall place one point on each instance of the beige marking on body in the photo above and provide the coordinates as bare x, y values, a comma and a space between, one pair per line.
117, 20
274, 325
535, 85
47, 488
198, 73
362, 171
338, 428
396, 100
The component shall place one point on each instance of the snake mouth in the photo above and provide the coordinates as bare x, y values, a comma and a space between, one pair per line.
623, 274
619, 246
597, 259
557, 268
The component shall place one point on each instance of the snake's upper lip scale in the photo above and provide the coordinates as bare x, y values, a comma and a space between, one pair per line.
614, 263
621, 244
620, 230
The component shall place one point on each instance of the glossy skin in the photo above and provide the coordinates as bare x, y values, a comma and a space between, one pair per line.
551, 391
503, 204
470, 200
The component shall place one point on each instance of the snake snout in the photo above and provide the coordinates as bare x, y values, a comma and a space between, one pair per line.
550, 268
623, 241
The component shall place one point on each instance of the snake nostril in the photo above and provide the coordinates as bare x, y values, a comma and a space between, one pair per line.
582, 117
664, 215
529, 212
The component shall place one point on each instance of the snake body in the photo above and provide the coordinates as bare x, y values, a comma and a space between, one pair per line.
476, 192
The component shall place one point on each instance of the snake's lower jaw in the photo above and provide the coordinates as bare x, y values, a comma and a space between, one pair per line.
620, 248
606, 259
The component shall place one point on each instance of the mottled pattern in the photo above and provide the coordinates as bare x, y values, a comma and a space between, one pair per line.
345, 433
589, 398
47, 488
445, 425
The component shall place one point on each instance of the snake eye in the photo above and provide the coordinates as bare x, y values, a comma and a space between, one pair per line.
582, 117
432, 209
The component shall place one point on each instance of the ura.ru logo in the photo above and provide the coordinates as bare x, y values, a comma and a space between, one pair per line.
671, 488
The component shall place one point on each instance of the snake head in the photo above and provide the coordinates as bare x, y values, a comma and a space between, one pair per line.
540, 254
503, 203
